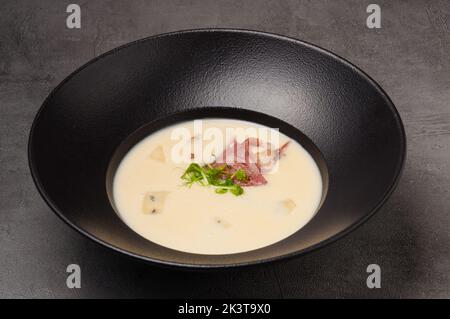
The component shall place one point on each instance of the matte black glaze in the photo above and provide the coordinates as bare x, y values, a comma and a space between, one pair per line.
338, 107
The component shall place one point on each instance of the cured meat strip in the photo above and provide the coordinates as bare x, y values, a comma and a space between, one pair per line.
251, 156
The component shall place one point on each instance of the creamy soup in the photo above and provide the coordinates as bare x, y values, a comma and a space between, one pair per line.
184, 189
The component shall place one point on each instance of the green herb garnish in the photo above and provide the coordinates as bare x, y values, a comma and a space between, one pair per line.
240, 175
217, 177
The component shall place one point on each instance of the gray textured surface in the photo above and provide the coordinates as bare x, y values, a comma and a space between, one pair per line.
409, 237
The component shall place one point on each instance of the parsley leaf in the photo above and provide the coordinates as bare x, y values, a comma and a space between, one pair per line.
217, 177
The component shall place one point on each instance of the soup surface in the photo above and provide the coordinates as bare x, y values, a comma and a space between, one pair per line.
208, 203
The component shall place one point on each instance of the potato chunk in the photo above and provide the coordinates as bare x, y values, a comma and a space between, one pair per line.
153, 202
158, 154
285, 206
289, 204
223, 223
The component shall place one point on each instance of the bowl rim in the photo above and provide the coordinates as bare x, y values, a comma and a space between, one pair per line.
192, 266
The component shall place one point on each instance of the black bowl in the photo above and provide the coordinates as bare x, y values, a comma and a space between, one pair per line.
335, 110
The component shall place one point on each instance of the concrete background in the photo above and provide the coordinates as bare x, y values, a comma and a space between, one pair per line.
409, 237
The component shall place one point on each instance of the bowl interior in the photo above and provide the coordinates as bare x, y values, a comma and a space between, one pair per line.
336, 111
215, 112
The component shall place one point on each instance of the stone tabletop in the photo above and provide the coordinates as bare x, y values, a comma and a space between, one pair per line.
409, 238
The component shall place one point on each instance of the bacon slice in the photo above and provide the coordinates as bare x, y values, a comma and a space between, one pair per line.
254, 176
252, 156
